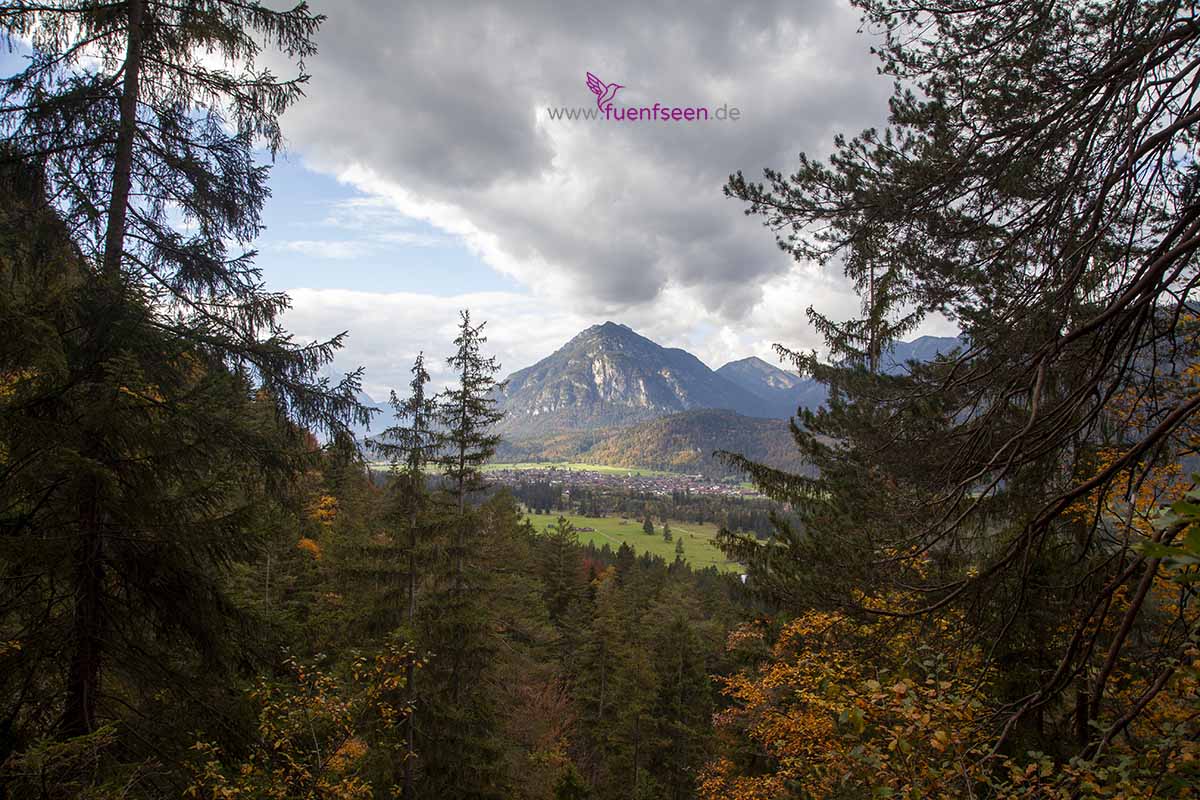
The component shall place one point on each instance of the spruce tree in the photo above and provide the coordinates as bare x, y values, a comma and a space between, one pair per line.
140, 119
468, 411
410, 444
561, 567
682, 708
121, 610
461, 755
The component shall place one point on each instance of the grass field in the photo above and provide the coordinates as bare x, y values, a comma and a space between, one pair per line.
577, 467
698, 547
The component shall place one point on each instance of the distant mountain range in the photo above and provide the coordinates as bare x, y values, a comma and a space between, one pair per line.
782, 392
611, 396
610, 376
380, 421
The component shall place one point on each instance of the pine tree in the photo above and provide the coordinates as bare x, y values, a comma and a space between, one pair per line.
1057, 228
410, 444
139, 119
461, 754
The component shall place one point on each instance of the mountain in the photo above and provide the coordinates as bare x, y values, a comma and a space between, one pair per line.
784, 392
923, 348
610, 396
685, 442
380, 421
608, 376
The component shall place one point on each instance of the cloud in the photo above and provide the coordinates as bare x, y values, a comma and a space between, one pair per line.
388, 329
438, 112
332, 249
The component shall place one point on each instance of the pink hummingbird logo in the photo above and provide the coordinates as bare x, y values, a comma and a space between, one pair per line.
605, 92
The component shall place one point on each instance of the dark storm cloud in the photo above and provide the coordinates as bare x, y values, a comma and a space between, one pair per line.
446, 103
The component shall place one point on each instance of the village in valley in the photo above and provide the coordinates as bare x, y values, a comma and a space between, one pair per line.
632, 480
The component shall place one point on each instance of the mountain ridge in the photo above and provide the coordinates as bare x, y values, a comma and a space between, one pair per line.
609, 375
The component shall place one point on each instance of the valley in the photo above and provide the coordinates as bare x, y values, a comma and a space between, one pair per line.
610, 397
618, 479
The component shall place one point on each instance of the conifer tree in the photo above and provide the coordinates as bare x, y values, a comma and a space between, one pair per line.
561, 568
468, 412
1057, 228
151, 445
140, 118
683, 704
461, 753
143, 115
410, 444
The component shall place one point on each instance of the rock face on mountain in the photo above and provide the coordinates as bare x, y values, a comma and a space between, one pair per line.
608, 376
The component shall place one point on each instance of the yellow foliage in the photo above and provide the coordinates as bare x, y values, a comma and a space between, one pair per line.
832, 710
10, 380
325, 510
310, 742
349, 754
309, 546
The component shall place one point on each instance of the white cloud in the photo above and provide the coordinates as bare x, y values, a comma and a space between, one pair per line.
332, 249
387, 330
436, 112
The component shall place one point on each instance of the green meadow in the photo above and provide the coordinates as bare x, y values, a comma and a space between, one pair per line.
699, 549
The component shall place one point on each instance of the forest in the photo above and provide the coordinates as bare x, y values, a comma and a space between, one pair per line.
982, 584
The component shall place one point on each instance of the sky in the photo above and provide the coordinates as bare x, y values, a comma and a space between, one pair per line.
424, 174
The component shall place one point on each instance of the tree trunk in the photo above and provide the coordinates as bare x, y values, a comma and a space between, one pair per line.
86, 661
410, 791
637, 751
1083, 728
83, 677
114, 236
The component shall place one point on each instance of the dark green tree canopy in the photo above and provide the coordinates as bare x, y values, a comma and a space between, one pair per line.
468, 410
1035, 186
145, 116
